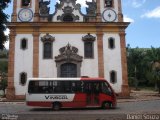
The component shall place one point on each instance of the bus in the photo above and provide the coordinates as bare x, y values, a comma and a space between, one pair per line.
60, 93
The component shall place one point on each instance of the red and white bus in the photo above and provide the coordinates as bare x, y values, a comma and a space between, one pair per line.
70, 93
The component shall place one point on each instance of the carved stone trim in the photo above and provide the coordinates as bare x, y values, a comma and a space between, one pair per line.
68, 54
47, 38
67, 10
74, 17
91, 9
88, 37
43, 8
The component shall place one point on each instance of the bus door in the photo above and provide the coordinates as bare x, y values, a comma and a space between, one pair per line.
92, 90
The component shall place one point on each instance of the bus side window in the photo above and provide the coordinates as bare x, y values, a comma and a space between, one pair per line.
96, 87
33, 87
67, 87
76, 87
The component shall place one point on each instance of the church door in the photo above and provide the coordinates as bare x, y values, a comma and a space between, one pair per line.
68, 70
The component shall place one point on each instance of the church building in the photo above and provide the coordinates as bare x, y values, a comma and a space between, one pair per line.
67, 43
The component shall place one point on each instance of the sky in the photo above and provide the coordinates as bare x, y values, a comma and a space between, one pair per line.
144, 15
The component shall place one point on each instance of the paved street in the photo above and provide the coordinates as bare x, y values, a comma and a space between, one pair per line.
121, 112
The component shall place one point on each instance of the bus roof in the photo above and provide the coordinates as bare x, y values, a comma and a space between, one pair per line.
61, 79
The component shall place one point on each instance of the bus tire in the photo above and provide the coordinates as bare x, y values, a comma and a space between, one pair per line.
56, 106
106, 105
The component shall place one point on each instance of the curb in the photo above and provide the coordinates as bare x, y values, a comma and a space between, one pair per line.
135, 100
118, 100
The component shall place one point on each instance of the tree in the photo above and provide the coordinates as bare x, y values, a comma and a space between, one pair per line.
3, 83
3, 20
135, 58
154, 62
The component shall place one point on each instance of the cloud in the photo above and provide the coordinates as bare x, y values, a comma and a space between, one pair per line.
137, 3
7, 43
83, 2
155, 13
127, 19
7, 31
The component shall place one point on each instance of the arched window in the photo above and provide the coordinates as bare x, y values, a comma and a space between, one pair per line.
111, 43
68, 70
88, 45
88, 49
108, 3
47, 50
47, 46
23, 78
24, 44
68, 18
26, 3
113, 76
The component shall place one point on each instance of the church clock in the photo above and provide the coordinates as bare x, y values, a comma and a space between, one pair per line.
109, 15
25, 15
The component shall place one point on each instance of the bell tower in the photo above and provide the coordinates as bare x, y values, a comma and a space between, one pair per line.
25, 11
109, 10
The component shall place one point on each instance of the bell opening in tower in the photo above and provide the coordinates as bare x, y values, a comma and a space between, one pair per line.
26, 3
108, 3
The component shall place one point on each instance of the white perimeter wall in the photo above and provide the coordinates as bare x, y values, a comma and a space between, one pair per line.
112, 60
23, 61
47, 67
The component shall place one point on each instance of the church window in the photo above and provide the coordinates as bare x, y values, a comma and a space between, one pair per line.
108, 3
111, 43
88, 49
68, 18
23, 78
47, 46
88, 45
24, 44
47, 50
113, 76
26, 3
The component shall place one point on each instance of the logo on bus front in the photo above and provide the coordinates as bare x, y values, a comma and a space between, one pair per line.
57, 97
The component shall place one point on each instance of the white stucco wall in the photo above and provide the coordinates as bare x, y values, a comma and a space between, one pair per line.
23, 61
112, 60
47, 67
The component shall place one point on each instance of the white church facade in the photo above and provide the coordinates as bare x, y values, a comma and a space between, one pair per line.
67, 43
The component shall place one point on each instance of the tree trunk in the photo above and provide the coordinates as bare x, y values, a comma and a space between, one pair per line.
159, 87
136, 81
156, 86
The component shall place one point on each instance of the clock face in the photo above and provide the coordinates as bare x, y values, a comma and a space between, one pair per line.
25, 15
109, 15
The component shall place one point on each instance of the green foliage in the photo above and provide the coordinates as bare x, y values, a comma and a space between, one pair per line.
143, 66
3, 83
3, 54
4, 66
3, 20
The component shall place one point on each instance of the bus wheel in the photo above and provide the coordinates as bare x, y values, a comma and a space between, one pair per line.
56, 106
106, 105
